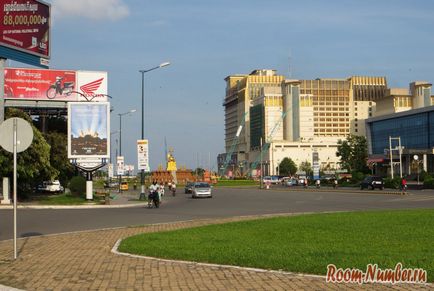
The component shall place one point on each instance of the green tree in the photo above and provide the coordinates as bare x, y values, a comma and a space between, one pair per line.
353, 153
306, 167
33, 165
59, 156
287, 167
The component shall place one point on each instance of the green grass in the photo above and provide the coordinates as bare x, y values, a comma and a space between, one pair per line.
304, 244
234, 183
61, 199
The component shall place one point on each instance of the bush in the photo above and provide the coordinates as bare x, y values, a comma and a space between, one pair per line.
428, 183
357, 177
77, 185
424, 175
394, 183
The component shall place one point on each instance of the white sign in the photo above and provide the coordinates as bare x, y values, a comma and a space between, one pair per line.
143, 155
93, 85
110, 170
121, 165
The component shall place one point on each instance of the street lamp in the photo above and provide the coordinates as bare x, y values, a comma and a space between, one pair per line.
142, 172
120, 139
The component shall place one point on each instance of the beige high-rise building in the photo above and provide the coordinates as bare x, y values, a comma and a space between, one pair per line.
301, 118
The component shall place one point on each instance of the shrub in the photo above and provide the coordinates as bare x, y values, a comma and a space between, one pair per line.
424, 175
77, 185
428, 183
357, 177
394, 183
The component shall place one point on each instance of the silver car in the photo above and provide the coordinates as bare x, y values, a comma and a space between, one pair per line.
201, 189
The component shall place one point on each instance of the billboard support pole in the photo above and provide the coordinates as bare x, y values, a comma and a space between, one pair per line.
2, 89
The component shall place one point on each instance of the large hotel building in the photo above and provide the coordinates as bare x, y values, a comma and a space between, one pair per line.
302, 119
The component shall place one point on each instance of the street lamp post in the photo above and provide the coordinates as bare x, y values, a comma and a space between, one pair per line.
120, 139
142, 172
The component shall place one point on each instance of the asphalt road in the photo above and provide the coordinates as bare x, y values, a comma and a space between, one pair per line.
226, 202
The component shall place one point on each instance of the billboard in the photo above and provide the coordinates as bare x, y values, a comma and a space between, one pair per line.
37, 84
55, 85
120, 161
88, 130
93, 86
25, 26
143, 155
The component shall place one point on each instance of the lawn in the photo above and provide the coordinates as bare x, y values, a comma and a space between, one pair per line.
305, 244
61, 199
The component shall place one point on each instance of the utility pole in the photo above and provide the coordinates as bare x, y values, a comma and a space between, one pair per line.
261, 175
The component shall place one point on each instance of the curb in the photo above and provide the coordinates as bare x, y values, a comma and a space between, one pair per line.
346, 191
95, 206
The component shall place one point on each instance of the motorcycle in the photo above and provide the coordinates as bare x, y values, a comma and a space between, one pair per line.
60, 89
153, 200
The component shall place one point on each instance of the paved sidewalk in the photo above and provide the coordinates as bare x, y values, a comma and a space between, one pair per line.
82, 261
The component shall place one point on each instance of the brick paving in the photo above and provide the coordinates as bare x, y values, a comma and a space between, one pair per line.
84, 261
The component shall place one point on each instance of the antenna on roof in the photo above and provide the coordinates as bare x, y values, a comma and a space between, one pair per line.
289, 65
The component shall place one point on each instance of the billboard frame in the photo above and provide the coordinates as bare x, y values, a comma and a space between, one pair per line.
38, 56
107, 124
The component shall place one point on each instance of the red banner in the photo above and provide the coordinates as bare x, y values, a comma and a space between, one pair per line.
25, 25
33, 84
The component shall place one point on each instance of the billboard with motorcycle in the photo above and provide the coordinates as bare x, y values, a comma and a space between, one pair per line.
55, 85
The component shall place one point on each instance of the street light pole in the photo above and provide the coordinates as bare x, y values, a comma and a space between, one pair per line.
120, 140
142, 172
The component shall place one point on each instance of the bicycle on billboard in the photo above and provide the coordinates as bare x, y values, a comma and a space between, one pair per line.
60, 88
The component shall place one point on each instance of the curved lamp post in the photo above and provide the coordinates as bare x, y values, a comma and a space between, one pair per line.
142, 173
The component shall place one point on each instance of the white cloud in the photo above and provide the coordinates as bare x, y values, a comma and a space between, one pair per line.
91, 9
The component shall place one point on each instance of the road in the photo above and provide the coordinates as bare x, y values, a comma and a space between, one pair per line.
226, 202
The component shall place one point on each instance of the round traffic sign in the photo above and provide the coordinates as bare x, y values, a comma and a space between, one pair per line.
24, 134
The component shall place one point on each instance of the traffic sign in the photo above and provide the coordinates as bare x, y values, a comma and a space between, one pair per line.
24, 134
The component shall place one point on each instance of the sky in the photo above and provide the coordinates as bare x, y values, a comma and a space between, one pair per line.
206, 41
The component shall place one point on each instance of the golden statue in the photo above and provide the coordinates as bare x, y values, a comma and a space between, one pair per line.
171, 163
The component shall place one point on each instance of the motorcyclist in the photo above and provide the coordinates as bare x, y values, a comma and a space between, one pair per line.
173, 189
153, 190
318, 183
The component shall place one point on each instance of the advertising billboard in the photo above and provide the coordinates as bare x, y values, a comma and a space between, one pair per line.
88, 130
120, 161
25, 26
55, 85
92, 86
37, 84
143, 155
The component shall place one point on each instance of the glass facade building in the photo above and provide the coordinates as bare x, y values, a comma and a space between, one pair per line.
415, 128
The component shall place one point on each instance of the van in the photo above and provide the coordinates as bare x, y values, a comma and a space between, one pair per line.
124, 186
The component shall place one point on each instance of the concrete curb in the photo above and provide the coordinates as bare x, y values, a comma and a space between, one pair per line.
346, 191
115, 251
95, 206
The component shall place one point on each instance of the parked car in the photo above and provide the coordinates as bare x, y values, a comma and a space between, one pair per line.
111, 184
271, 179
188, 187
291, 182
372, 182
50, 187
201, 189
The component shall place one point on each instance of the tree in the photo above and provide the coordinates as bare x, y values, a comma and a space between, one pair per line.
59, 156
306, 167
33, 165
353, 153
287, 167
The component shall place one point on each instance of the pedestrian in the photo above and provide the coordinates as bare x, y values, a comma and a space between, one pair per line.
403, 185
335, 183
318, 183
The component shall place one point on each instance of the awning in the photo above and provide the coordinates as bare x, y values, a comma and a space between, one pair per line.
375, 160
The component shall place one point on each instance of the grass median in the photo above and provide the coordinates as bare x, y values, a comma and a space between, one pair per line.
305, 244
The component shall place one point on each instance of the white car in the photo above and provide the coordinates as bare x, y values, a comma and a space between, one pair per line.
50, 187
201, 189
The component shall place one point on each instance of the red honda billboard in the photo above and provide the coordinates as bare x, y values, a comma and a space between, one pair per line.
25, 26
34, 84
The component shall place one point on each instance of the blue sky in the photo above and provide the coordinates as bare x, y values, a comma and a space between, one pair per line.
205, 41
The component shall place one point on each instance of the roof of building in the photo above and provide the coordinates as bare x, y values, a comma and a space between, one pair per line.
401, 114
